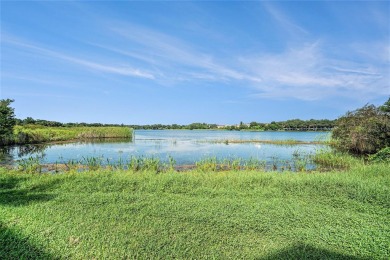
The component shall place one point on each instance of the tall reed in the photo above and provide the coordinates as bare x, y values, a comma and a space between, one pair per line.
40, 134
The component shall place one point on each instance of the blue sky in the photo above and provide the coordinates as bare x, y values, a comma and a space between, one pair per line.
145, 62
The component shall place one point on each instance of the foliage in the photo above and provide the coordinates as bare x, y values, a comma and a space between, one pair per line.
38, 134
363, 131
151, 164
289, 125
386, 106
382, 156
196, 215
32, 164
207, 164
42, 122
7, 120
327, 160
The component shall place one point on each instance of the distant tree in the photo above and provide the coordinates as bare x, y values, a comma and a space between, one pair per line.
363, 131
243, 126
198, 126
253, 125
29, 121
273, 126
7, 119
386, 106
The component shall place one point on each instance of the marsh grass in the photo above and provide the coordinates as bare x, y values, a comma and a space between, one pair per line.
92, 163
121, 214
207, 164
32, 164
38, 134
253, 164
287, 142
327, 159
321, 160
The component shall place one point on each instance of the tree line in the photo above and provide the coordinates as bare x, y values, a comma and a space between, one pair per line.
363, 131
42, 122
289, 125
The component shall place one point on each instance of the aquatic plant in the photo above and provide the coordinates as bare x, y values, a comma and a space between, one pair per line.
301, 161
72, 165
231, 164
144, 164
254, 164
327, 159
323, 159
93, 163
32, 164
207, 164
171, 163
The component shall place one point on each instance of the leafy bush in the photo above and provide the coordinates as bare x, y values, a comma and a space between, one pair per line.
381, 156
363, 131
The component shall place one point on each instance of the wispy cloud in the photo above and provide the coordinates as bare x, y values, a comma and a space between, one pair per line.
182, 58
285, 22
307, 73
125, 70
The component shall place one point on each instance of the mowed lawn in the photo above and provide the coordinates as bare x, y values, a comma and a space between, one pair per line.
196, 215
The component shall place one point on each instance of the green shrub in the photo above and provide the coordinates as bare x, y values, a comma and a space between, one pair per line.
363, 131
381, 156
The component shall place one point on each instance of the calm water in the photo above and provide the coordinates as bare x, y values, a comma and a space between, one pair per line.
186, 147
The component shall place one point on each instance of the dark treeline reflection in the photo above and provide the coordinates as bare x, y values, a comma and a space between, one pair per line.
30, 149
9, 154
6, 155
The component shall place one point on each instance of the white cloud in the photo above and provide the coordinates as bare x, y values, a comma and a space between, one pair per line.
308, 74
288, 25
173, 55
124, 70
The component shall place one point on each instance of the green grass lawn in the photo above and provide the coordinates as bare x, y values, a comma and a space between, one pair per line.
196, 215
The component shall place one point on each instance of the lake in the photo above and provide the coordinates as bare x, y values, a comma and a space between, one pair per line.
185, 146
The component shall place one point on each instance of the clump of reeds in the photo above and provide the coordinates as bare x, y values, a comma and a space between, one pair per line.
32, 164
300, 162
40, 134
326, 159
207, 164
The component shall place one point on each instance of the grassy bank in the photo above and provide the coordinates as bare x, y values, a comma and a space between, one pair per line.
40, 134
196, 214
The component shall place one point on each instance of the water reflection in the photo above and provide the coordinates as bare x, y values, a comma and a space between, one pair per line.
186, 147
26, 150
6, 155
10, 154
